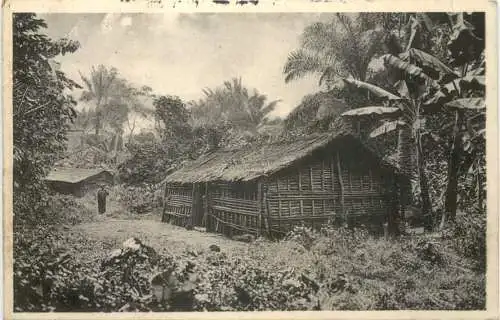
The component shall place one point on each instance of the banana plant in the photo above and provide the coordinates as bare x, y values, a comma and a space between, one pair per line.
416, 76
464, 96
402, 113
425, 84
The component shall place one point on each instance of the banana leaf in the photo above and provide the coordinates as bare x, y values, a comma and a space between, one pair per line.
379, 92
431, 65
373, 111
386, 127
467, 104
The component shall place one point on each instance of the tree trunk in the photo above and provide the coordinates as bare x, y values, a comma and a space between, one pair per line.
132, 129
97, 123
424, 189
404, 158
450, 205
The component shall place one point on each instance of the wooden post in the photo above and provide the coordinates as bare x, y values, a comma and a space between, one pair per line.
323, 211
311, 177
194, 206
163, 219
279, 196
289, 201
341, 184
267, 220
205, 207
259, 207
300, 192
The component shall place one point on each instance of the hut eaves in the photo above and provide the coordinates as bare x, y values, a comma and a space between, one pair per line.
72, 175
254, 161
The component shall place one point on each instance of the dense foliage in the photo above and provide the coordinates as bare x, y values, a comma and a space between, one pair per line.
42, 110
430, 92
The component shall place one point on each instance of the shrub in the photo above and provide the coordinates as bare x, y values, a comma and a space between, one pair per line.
468, 235
136, 199
341, 269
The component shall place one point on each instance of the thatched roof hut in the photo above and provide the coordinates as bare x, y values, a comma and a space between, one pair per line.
77, 181
271, 187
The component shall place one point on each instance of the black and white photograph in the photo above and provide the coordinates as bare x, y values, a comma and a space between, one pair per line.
249, 161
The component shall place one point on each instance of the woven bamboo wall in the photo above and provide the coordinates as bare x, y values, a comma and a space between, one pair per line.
337, 184
233, 208
313, 192
178, 201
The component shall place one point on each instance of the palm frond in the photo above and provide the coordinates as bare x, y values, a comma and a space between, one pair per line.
300, 63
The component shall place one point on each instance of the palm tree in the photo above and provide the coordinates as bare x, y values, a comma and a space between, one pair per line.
343, 47
232, 104
114, 100
98, 89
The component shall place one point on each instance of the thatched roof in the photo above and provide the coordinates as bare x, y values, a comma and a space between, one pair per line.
73, 175
254, 161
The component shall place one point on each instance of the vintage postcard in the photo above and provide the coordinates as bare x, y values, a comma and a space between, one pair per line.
250, 159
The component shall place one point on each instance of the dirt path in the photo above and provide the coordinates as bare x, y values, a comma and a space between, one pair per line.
161, 236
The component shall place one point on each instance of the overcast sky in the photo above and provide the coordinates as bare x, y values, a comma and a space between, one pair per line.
180, 54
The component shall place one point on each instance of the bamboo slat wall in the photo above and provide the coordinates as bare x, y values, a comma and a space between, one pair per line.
178, 204
234, 208
315, 193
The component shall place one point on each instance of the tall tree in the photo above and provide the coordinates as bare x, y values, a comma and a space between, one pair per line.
115, 99
342, 47
98, 89
42, 108
466, 46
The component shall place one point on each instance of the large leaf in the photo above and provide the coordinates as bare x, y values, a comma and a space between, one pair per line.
466, 83
402, 88
373, 111
431, 65
467, 103
379, 92
464, 45
406, 67
436, 102
386, 127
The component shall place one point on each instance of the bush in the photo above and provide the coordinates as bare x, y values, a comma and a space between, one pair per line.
51, 209
468, 235
136, 199
329, 269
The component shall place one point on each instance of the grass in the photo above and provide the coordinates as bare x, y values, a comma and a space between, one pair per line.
335, 269
354, 270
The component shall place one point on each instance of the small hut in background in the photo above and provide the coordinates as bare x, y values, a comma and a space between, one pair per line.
271, 188
76, 181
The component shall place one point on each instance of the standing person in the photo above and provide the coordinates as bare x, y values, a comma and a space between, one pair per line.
101, 199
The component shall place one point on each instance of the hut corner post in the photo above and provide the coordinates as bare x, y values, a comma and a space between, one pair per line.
204, 222
265, 211
190, 220
164, 209
260, 205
